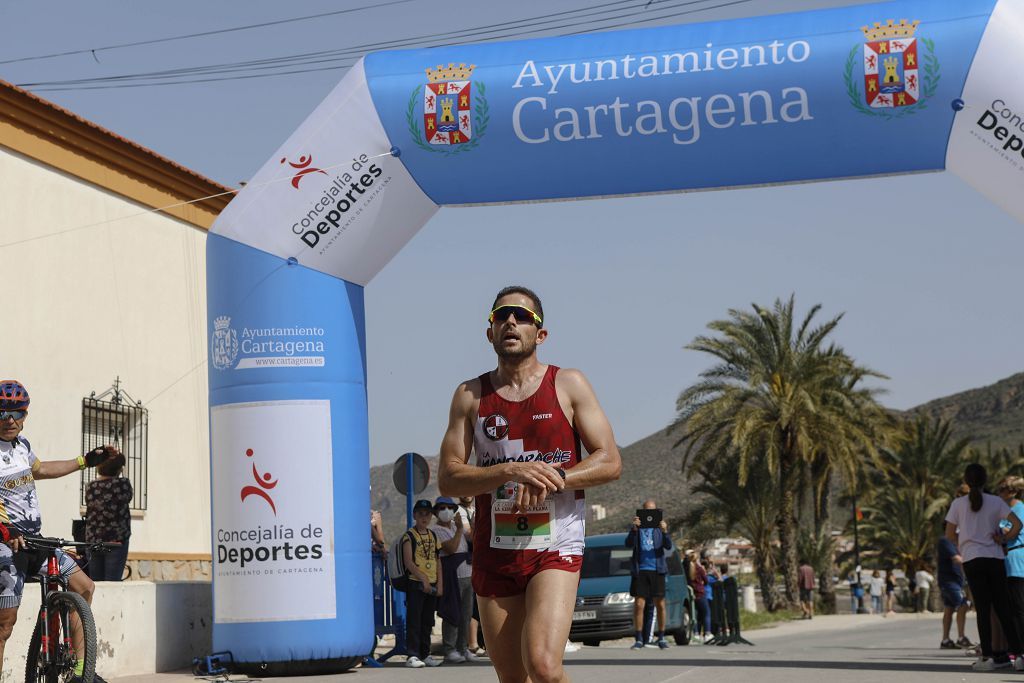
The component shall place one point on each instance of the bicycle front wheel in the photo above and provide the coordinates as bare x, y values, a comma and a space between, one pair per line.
53, 658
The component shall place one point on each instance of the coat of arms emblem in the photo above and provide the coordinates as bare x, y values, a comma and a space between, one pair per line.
224, 344
899, 71
453, 119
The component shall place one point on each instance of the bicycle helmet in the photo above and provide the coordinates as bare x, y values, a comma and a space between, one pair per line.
13, 395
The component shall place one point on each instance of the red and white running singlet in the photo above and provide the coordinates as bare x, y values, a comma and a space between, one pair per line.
525, 431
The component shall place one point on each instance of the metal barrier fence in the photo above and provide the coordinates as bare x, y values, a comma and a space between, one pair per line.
725, 613
388, 610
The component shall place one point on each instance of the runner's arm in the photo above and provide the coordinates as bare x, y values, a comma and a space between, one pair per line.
604, 464
457, 478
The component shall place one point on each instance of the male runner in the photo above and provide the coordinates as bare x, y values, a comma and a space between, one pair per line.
19, 510
526, 422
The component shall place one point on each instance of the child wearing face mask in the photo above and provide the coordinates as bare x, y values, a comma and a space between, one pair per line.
456, 607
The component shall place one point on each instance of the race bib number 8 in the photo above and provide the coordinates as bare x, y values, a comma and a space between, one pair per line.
533, 529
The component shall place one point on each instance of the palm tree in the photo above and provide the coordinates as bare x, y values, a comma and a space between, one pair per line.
910, 490
777, 395
751, 510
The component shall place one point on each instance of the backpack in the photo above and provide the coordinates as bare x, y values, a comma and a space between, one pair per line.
398, 574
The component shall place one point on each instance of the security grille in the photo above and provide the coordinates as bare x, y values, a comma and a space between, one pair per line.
123, 423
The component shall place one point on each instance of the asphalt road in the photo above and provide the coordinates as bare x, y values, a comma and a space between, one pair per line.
854, 648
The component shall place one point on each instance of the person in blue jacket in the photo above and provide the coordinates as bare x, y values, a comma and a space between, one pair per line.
649, 569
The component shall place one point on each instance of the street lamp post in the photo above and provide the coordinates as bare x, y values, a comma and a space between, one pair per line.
856, 556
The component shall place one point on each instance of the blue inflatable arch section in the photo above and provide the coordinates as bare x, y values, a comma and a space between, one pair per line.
866, 90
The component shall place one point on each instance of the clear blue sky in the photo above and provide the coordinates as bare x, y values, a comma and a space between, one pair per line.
925, 269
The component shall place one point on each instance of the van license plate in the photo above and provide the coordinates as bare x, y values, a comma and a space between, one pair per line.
584, 616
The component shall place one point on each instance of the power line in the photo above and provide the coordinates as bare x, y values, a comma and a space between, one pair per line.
344, 57
168, 39
362, 48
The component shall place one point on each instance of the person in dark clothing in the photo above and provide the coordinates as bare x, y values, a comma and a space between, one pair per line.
951, 587
108, 510
421, 552
649, 569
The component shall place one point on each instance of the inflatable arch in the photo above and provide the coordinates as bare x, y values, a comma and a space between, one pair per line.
893, 87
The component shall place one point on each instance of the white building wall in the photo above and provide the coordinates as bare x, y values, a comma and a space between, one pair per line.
79, 308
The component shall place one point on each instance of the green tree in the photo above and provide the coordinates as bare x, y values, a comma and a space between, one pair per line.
778, 396
909, 492
751, 510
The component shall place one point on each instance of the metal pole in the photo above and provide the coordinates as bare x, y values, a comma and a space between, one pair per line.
408, 490
856, 555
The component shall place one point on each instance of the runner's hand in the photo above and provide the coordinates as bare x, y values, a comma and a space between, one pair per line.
664, 526
636, 522
539, 474
426, 586
16, 544
527, 495
11, 537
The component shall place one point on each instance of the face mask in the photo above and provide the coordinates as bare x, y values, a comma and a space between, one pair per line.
446, 515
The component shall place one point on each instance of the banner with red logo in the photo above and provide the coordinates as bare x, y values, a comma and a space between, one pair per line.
333, 196
986, 147
273, 524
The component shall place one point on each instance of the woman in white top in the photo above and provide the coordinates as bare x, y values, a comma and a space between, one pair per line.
973, 524
876, 585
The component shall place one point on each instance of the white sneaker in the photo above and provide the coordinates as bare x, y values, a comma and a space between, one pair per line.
470, 657
414, 663
987, 664
430, 661
571, 646
454, 657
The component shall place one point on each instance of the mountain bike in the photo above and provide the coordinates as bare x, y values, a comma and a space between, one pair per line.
56, 648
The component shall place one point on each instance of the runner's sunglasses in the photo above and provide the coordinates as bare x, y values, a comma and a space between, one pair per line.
12, 414
521, 313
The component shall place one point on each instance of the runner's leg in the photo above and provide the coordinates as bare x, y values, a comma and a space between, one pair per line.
79, 583
550, 597
502, 620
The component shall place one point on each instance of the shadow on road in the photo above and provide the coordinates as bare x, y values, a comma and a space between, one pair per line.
959, 666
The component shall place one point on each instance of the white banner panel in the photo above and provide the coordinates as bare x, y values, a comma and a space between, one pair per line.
273, 511
332, 196
986, 147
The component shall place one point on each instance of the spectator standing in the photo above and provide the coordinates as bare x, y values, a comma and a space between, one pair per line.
1011, 489
805, 582
876, 586
973, 522
711, 572
954, 599
456, 607
467, 508
421, 553
856, 590
890, 592
108, 500
377, 543
923, 580
698, 580
649, 569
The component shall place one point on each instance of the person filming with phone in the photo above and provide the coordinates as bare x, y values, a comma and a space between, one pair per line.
649, 538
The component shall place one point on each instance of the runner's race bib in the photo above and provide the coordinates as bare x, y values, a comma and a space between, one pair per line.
533, 529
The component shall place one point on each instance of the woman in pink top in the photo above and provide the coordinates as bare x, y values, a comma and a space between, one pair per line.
973, 524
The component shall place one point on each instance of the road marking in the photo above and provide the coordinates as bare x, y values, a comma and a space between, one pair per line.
678, 676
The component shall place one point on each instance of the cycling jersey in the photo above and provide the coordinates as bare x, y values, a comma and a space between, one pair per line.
19, 504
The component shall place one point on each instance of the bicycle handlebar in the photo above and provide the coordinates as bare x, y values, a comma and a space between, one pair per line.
52, 543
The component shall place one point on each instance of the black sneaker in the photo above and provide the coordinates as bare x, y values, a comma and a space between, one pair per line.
948, 644
964, 642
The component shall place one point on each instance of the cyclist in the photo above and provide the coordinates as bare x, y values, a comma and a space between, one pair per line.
19, 509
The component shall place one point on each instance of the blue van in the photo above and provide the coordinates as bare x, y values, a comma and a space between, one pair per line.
604, 607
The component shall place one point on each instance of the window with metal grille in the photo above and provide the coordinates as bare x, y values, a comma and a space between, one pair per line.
114, 419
